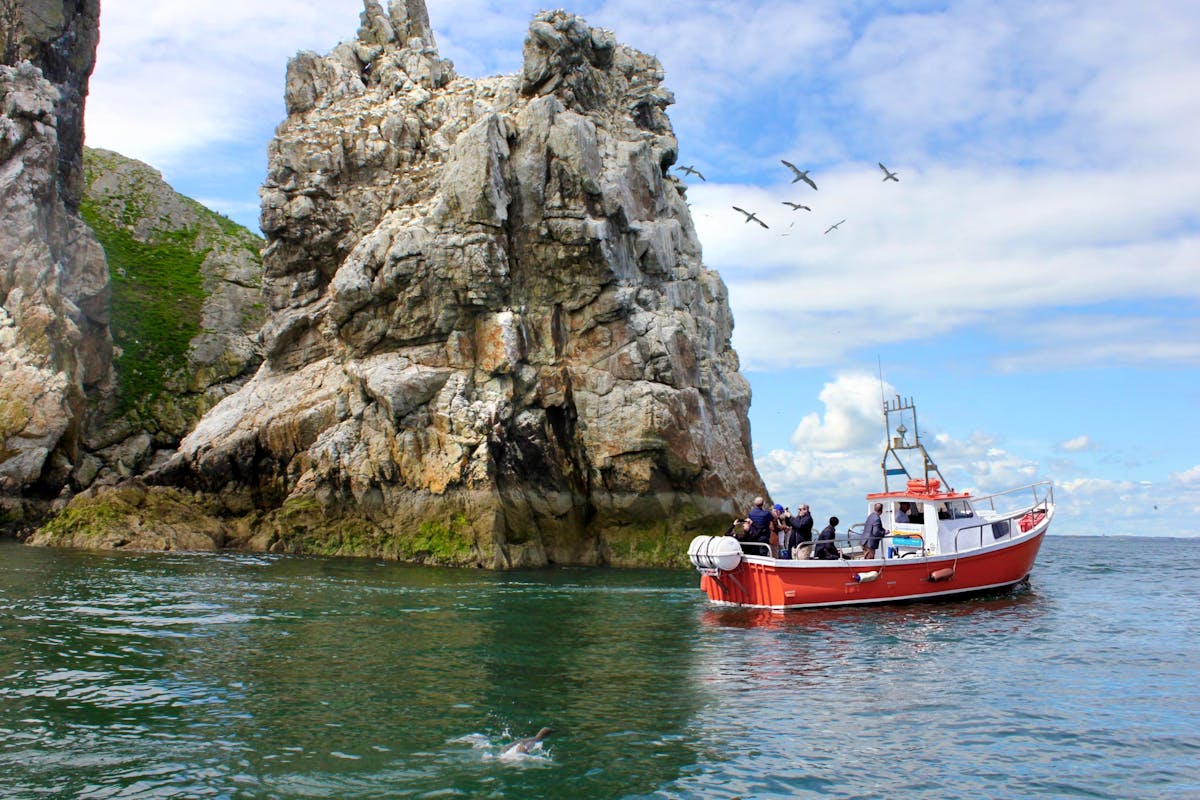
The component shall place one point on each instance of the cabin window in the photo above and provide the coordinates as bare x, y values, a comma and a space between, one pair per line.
955, 509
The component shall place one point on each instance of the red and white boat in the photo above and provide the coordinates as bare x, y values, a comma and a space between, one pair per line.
954, 543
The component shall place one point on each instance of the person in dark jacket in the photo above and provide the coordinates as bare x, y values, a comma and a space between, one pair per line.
802, 525
760, 523
826, 549
872, 532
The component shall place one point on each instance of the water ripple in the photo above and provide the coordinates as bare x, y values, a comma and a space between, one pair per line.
227, 676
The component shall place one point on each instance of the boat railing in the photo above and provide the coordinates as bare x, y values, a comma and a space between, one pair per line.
854, 537
1013, 521
1017, 501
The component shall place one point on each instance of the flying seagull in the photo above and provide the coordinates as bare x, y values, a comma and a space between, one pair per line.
888, 175
751, 216
796, 206
834, 226
689, 171
801, 174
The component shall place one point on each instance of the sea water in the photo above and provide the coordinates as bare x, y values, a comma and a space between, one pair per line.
231, 676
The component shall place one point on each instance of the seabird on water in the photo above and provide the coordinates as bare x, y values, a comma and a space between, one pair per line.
524, 746
796, 206
834, 226
689, 171
888, 175
751, 216
801, 174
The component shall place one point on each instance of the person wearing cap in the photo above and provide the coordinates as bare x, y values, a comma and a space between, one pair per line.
778, 526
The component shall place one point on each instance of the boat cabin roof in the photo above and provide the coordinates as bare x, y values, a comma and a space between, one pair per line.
921, 491
919, 498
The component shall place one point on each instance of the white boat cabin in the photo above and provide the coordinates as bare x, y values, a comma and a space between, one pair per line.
927, 520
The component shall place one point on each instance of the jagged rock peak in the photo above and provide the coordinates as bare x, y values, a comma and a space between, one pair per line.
491, 337
404, 21
393, 52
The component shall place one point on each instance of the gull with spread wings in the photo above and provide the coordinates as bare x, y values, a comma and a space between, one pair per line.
834, 226
796, 206
801, 174
751, 216
888, 175
687, 170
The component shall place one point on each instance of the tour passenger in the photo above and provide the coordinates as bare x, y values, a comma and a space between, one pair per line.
826, 549
778, 526
802, 525
760, 523
872, 532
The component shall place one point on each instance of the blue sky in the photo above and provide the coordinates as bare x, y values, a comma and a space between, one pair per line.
1033, 280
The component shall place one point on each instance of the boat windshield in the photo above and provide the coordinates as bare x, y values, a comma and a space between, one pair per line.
955, 509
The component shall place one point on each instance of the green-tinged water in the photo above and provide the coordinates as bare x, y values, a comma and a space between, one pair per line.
254, 676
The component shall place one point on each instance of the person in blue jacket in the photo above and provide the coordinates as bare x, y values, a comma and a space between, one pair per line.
760, 522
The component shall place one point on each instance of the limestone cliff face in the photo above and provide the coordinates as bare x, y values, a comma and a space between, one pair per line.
55, 348
491, 339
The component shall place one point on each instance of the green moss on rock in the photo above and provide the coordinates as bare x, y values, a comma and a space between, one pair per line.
157, 295
651, 545
442, 542
86, 518
301, 525
136, 517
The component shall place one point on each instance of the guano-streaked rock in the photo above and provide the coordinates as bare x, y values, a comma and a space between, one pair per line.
492, 339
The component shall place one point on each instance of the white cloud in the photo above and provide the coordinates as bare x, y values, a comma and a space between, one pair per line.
853, 417
174, 76
1087, 340
1079, 444
1188, 477
948, 248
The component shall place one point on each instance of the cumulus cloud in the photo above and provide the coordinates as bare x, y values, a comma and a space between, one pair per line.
1188, 477
835, 481
1077, 445
175, 76
852, 419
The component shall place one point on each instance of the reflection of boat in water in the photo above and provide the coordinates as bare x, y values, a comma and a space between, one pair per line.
952, 544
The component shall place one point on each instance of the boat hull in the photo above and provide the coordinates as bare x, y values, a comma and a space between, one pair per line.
761, 582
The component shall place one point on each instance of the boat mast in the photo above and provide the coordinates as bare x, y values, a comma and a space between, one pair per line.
897, 444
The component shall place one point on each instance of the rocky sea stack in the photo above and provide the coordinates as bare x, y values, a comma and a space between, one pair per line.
490, 338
